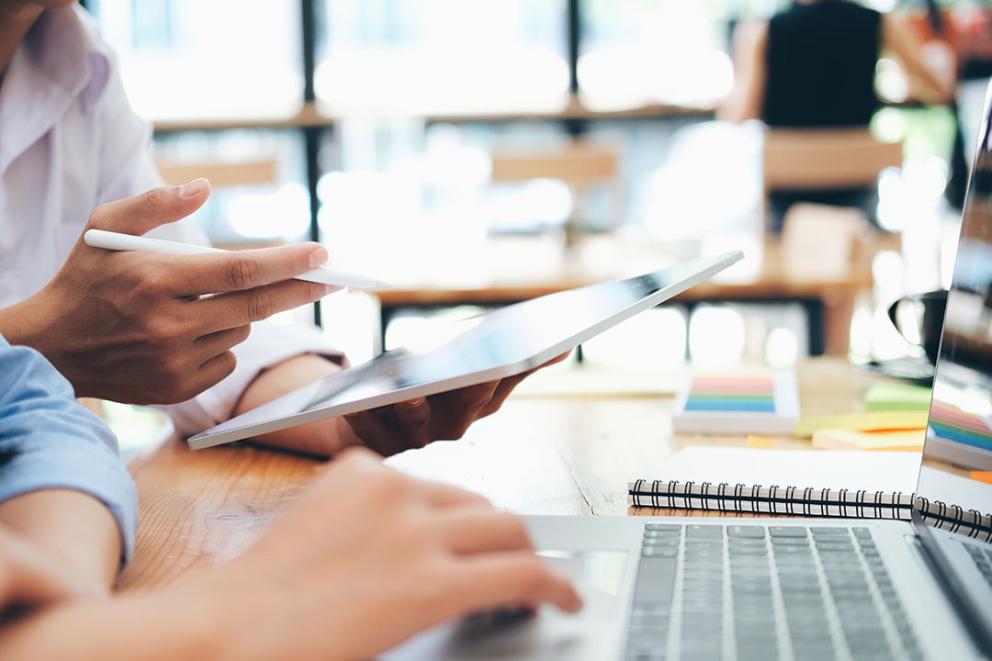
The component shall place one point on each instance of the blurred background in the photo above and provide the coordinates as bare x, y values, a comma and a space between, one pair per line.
477, 153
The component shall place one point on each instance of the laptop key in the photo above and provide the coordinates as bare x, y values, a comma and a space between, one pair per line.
790, 541
698, 531
746, 532
655, 580
830, 530
786, 531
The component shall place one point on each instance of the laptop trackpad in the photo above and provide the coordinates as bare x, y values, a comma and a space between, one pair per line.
599, 578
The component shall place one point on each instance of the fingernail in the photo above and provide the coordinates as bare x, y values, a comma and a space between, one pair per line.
194, 187
318, 257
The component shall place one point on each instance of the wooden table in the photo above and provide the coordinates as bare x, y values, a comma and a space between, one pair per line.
516, 269
536, 456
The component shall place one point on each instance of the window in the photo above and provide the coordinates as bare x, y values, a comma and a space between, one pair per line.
686, 41
430, 56
183, 59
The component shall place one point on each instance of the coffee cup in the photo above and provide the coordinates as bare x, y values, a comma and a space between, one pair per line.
929, 315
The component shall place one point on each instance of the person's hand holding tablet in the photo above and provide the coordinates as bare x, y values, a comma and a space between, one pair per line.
147, 328
443, 417
388, 429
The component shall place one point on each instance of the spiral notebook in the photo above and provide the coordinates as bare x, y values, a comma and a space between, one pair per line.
853, 484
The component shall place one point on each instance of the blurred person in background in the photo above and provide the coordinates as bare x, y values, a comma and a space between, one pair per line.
812, 66
142, 328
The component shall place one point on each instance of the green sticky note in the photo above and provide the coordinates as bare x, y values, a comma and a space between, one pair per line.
897, 397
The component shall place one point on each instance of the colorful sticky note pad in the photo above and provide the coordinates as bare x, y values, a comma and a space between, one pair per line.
755, 400
729, 393
954, 424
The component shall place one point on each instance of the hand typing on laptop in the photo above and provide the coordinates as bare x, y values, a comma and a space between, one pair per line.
364, 560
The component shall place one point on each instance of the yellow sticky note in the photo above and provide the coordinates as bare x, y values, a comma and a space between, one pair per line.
842, 439
759, 442
874, 421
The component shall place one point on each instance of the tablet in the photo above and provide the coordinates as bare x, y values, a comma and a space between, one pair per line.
502, 343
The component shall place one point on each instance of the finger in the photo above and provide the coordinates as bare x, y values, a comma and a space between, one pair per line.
413, 420
470, 529
225, 311
221, 341
239, 270
214, 370
445, 495
555, 360
458, 409
371, 429
516, 578
503, 391
145, 212
507, 385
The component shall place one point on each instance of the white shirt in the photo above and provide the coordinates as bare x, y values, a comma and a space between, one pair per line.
70, 142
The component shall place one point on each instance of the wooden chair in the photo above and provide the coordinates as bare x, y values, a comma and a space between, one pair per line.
223, 174
580, 165
824, 159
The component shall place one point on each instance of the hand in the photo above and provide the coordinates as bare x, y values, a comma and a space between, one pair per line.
369, 557
29, 579
141, 327
446, 416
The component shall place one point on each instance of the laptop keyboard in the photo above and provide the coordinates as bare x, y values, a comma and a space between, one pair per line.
983, 560
765, 592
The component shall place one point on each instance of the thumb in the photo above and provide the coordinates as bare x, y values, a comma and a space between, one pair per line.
142, 213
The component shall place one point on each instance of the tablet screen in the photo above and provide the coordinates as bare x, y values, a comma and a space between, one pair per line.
496, 345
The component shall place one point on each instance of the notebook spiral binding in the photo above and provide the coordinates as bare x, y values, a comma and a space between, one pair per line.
808, 502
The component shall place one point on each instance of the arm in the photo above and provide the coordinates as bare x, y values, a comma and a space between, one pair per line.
750, 46
899, 39
64, 489
75, 529
128, 168
364, 560
167, 625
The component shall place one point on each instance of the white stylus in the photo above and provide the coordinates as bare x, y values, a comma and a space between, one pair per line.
328, 276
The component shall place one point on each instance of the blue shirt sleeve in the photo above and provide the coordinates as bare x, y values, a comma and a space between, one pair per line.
56, 442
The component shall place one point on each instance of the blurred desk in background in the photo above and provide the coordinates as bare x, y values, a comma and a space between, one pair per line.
314, 114
516, 269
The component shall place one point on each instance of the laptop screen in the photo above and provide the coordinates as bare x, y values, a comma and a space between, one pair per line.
955, 483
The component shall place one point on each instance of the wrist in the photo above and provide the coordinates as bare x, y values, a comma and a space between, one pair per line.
39, 322
21, 323
257, 615
219, 619
323, 438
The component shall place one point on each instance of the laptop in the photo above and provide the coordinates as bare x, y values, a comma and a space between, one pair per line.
793, 588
